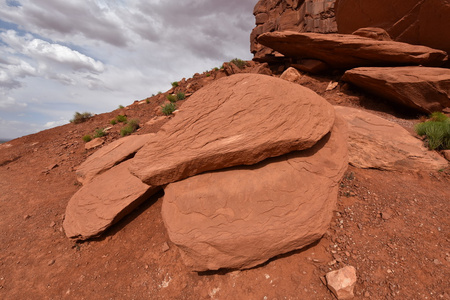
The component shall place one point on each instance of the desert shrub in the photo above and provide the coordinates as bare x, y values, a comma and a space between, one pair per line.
121, 106
80, 117
208, 75
87, 138
113, 122
436, 131
174, 84
121, 118
181, 96
99, 132
131, 127
172, 98
169, 108
239, 63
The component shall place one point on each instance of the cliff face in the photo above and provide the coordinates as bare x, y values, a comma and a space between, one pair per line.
295, 15
421, 22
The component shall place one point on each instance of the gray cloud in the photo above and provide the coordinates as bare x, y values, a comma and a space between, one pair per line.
67, 17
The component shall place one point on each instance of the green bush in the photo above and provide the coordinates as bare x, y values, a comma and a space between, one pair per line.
169, 108
80, 117
121, 118
87, 138
239, 63
181, 96
436, 131
131, 127
99, 132
113, 122
121, 106
174, 84
172, 98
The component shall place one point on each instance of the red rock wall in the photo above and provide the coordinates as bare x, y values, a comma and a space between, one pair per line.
295, 15
421, 22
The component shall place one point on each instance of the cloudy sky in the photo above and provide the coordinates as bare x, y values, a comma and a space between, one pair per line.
62, 56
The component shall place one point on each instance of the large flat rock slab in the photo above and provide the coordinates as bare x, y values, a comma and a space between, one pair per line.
104, 201
238, 120
420, 88
377, 143
110, 155
242, 216
346, 51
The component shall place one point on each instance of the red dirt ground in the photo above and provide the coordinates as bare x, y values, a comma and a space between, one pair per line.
392, 227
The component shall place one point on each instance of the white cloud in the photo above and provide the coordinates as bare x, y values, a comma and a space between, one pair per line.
8, 104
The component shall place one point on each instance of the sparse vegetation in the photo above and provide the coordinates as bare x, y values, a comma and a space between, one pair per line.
174, 84
80, 117
121, 118
172, 98
436, 131
131, 127
87, 138
99, 132
169, 108
181, 96
113, 122
121, 106
147, 100
239, 63
208, 75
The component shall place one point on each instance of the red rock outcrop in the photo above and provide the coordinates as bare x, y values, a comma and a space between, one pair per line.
238, 120
377, 143
421, 22
104, 201
243, 216
420, 88
109, 156
295, 15
347, 51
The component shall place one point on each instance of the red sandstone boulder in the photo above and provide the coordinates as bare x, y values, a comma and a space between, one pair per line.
295, 15
377, 143
109, 156
421, 22
243, 216
347, 51
374, 33
104, 201
238, 120
420, 88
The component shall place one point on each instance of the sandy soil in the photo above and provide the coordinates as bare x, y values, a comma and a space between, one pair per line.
392, 227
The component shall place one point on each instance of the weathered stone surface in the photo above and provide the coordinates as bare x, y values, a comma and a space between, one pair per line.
374, 33
110, 155
420, 88
238, 120
421, 22
446, 154
380, 144
313, 66
296, 15
291, 74
94, 143
104, 201
342, 282
348, 51
241, 217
